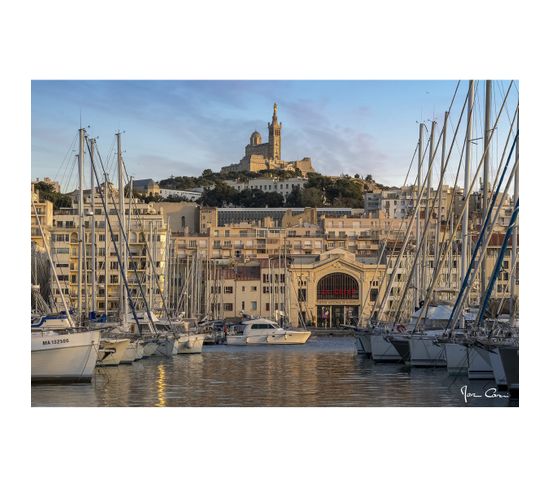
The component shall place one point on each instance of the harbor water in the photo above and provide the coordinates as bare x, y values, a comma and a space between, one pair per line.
324, 372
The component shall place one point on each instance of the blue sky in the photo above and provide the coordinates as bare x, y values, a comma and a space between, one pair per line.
182, 127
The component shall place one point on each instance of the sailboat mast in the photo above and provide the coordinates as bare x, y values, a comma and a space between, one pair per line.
486, 162
122, 291
92, 230
418, 187
127, 223
427, 214
513, 261
464, 237
80, 219
439, 203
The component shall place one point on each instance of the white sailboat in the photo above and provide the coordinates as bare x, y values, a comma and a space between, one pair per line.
64, 355
59, 350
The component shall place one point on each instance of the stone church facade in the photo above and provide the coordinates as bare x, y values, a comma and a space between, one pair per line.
261, 156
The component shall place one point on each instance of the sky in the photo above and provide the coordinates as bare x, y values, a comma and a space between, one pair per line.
180, 128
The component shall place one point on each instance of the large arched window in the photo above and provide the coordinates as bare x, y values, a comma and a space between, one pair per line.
338, 286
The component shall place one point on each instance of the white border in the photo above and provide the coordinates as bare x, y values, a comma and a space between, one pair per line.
253, 40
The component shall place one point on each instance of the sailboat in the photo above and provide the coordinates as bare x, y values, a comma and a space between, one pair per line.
60, 351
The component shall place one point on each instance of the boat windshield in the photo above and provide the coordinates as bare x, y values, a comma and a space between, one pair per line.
262, 326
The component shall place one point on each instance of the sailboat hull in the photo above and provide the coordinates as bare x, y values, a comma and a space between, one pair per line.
130, 355
149, 348
190, 344
383, 351
509, 357
116, 349
498, 369
363, 343
479, 364
64, 357
168, 346
457, 358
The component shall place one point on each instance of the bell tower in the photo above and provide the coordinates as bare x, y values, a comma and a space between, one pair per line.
274, 148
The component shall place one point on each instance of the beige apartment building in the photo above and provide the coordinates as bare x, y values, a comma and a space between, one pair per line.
147, 229
44, 209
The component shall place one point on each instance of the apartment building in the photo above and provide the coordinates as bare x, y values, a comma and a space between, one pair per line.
145, 228
44, 210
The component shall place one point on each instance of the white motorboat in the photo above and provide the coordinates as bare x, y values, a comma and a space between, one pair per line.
64, 356
266, 332
112, 351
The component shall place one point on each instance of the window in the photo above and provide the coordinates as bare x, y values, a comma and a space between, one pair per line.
262, 326
302, 294
267, 307
228, 290
338, 286
254, 305
228, 307
242, 305
373, 294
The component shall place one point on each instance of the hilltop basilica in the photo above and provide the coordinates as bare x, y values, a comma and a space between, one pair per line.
258, 156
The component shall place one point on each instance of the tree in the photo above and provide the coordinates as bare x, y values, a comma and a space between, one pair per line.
312, 197
46, 191
294, 198
219, 196
317, 180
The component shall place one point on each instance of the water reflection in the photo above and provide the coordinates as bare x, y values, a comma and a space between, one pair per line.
323, 372
161, 402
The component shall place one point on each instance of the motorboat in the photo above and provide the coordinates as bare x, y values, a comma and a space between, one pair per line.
266, 332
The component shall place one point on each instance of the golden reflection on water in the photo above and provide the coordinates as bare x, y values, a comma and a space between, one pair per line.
161, 386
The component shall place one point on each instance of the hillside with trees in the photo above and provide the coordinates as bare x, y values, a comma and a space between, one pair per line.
318, 191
